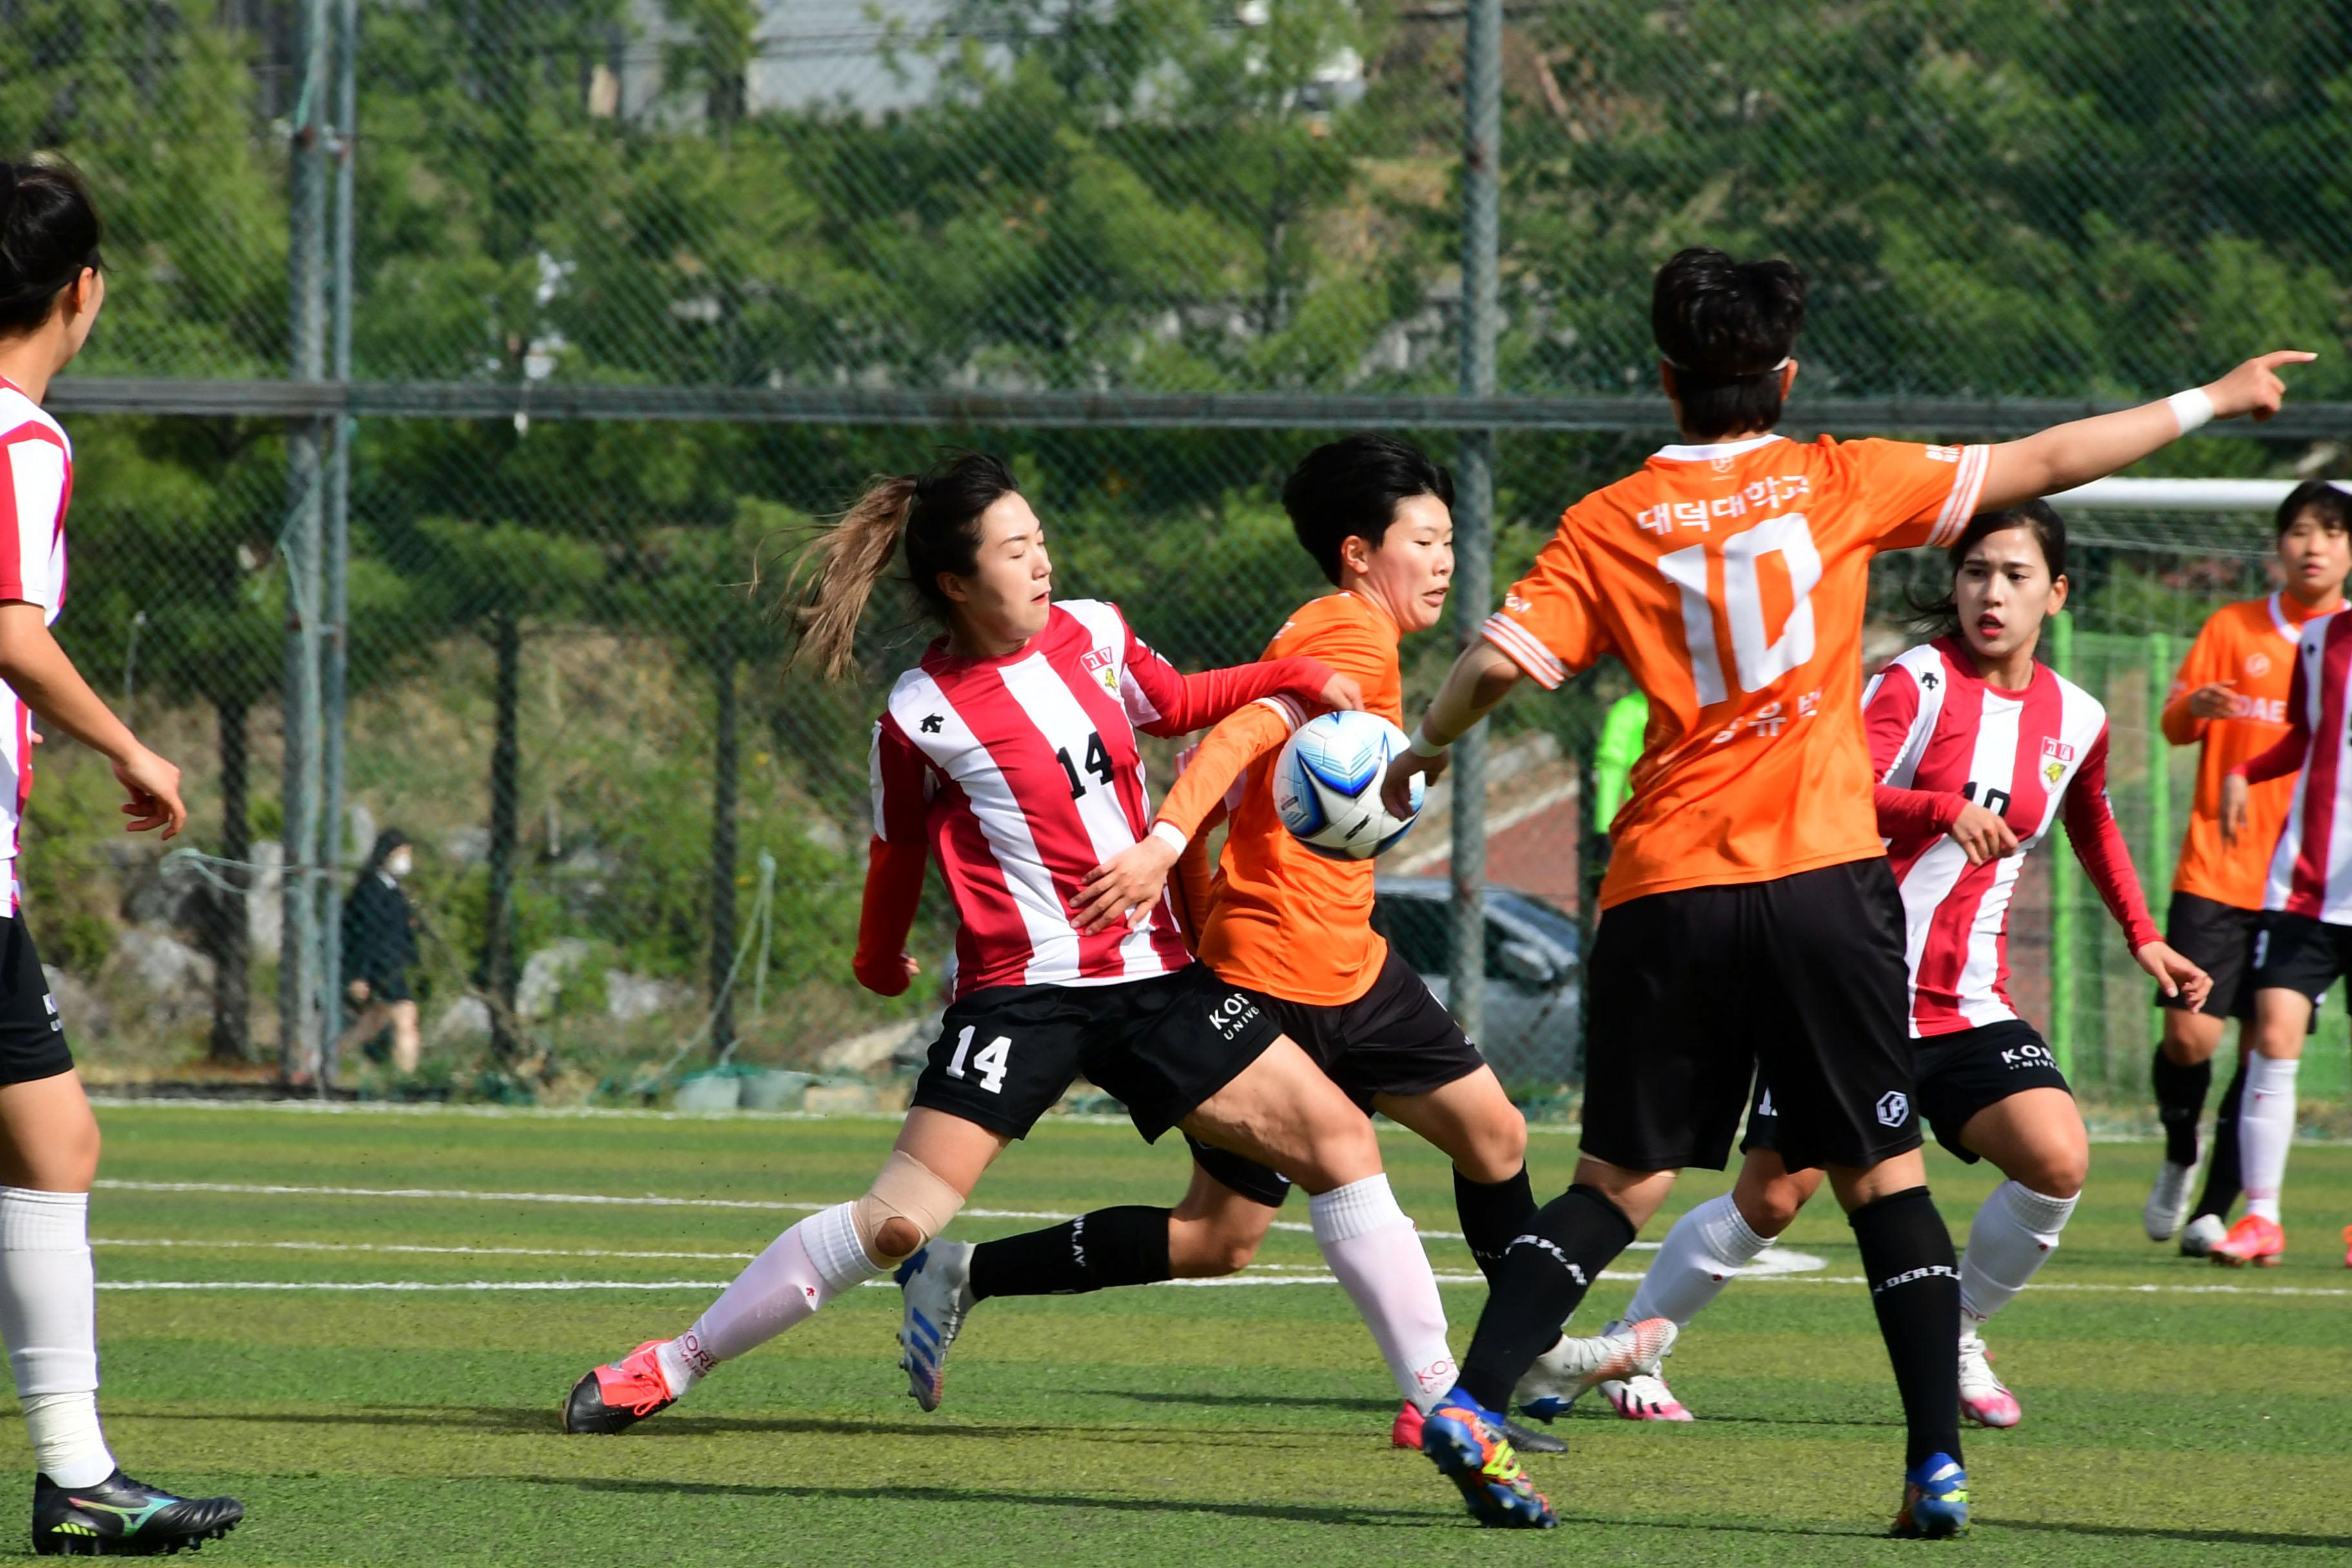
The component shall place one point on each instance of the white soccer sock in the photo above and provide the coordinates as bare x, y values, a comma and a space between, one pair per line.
2266, 1128
1702, 1254
801, 1271
48, 1316
2015, 1232
1373, 1249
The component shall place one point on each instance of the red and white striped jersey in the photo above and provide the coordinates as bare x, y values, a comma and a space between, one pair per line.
2311, 871
1940, 737
36, 485
1022, 773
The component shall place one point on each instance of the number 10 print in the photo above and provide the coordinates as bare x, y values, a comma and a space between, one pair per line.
1757, 658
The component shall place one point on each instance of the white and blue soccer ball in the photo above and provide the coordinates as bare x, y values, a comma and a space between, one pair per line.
1327, 785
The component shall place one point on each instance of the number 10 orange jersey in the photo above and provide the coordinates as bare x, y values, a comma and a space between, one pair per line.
1731, 580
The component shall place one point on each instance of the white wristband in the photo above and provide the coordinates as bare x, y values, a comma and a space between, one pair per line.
2191, 407
1420, 744
1168, 833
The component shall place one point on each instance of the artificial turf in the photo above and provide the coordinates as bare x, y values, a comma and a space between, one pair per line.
2175, 1412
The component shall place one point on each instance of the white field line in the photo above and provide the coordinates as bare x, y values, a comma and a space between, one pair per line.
1788, 1261
1778, 1261
199, 1245
495, 1286
648, 1200
628, 1113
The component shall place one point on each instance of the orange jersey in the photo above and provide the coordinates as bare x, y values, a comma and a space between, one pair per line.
1731, 580
1283, 919
2250, 644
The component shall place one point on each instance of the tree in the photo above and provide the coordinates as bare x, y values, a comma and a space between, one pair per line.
171, 538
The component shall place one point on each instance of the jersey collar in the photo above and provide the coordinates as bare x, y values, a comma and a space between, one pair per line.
2291, 630
1716, 450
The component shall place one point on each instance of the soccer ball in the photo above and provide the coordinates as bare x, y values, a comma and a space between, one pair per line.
1327, 785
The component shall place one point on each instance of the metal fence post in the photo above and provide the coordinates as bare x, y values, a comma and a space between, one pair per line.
298, 979
2160, 846
2062, 880
335, 632
1474, 512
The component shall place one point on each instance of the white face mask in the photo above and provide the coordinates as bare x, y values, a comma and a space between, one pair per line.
398, 863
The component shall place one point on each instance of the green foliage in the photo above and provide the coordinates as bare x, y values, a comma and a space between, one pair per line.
2075, 198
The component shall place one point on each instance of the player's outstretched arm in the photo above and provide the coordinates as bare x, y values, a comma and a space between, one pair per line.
1481, 678
37, 670
1171, 704
1125, 886
2081, 450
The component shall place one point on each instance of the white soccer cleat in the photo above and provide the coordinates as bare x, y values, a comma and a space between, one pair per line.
2167, 1201
1571, 1366
1984, 1398
935, 1286
2201, 1234
1644, 1397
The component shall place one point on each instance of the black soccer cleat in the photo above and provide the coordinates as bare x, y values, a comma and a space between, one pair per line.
123, 1517
614, 1398
1530, 1442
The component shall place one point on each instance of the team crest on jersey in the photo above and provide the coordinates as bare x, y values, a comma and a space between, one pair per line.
2257, 665
1103, 665
2056, 756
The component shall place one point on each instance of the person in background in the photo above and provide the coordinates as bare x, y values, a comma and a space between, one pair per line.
379, 950
1613, 758
2230, 701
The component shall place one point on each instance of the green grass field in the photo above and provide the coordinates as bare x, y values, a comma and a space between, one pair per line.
2174, 1413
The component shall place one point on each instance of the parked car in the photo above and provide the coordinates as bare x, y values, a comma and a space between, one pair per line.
1535, 971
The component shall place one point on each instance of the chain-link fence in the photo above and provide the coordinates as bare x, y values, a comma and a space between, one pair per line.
634, 291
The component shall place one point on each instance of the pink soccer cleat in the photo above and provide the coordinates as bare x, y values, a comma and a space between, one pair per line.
2255, 1240
1984, 1398
1644, 1397
1406, 1432
1561, 1374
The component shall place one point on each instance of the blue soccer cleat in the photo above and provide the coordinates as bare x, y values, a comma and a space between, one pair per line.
1935, 1501
1465, 1441
935, 1291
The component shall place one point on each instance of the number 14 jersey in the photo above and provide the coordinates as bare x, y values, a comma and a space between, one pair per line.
1731, 580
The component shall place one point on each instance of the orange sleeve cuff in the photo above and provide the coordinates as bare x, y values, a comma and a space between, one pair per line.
1224, 753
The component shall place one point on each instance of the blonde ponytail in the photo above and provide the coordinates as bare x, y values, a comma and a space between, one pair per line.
837, 572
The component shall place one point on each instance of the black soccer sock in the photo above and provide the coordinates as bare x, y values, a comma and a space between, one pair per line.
1491, 1213
1914, 1288
1125, 1246
2220, 1194
2179, 1100
1544, 1273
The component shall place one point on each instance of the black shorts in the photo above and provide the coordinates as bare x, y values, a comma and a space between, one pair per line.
1396, 1038
2219, 940
1958, 1075
2297, 953
390, 988
1160, 1046
32, 1036
1695, 991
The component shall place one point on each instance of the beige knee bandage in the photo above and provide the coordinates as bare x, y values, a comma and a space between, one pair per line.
905, 1190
